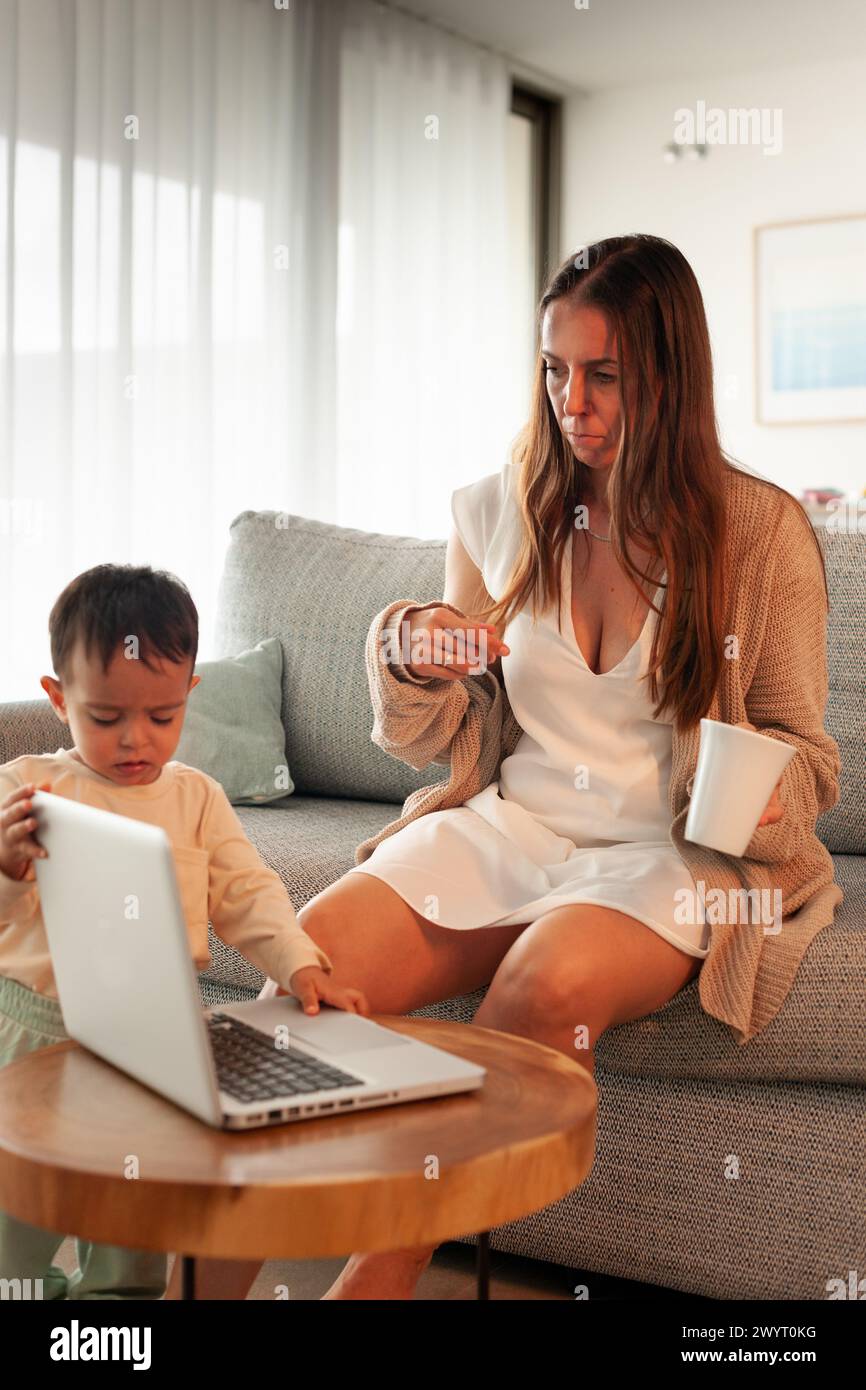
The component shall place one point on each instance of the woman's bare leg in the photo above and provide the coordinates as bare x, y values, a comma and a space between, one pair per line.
584, 965
401, 961
387, 1274
399, 958
216, 1279
426, 963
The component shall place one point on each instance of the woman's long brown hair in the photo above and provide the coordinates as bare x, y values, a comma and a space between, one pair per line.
667, 484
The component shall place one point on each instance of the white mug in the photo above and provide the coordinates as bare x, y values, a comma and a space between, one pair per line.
736, 773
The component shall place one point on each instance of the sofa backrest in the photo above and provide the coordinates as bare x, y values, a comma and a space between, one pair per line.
318, 586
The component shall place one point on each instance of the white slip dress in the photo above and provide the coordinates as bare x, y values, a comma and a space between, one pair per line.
579, 812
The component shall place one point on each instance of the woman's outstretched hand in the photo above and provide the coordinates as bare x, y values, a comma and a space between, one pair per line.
458, 646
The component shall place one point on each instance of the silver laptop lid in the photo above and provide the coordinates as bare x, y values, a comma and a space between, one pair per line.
120, 951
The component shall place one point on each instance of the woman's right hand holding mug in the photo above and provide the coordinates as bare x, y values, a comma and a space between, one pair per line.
458, 646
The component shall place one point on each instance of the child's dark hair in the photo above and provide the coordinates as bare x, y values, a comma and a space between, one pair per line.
105, 606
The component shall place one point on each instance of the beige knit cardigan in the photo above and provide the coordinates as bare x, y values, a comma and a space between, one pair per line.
778, 685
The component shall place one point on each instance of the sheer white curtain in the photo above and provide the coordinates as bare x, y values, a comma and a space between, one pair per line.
249, 257
431, 379
168, 230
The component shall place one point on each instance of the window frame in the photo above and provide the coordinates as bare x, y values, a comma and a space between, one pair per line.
545, 114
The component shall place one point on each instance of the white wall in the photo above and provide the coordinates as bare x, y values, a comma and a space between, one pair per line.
615, 181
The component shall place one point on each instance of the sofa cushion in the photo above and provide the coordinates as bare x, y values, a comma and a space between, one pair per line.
317, 588
232, 729
310, 841
819, 1034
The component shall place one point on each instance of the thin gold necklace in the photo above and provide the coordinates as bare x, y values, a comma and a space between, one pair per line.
597, 536
595, 533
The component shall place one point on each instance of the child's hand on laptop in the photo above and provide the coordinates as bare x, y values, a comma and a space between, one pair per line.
18, 843
311, 983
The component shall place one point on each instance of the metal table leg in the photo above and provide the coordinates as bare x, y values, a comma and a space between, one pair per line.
483, 1265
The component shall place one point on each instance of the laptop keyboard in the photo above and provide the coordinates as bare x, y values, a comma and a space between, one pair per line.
250, 1067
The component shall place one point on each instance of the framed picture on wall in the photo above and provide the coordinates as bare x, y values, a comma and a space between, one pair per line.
810, 321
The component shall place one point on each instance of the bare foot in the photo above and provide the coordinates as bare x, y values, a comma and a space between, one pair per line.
390, 1274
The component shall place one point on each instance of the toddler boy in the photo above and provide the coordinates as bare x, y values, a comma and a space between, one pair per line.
124, 641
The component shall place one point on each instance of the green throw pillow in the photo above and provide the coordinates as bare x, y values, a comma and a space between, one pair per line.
233, 730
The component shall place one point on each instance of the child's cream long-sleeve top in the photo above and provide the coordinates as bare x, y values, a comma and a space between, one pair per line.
220, 875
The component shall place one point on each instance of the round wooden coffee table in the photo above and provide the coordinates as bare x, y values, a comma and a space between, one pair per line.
410, 1174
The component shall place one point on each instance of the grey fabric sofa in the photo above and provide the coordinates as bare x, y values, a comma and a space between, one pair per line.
726, 1171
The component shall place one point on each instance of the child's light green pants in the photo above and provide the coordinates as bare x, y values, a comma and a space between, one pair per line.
29, 1021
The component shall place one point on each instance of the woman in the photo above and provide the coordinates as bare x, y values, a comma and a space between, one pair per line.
571, 916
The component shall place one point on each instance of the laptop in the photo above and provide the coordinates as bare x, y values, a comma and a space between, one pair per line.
129, 992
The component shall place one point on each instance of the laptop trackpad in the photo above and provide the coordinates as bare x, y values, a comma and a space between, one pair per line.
337, 1031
